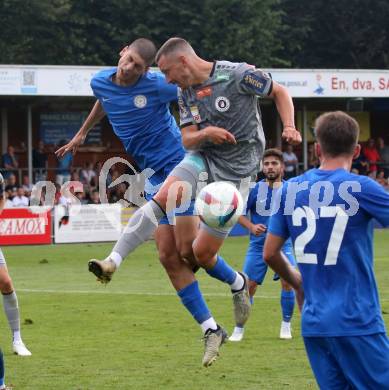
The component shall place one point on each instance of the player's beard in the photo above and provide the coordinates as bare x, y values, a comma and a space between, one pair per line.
273, 176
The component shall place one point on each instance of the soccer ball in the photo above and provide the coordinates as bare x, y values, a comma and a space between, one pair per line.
219, 205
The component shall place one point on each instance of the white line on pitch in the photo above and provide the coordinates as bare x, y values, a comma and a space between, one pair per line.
46, 291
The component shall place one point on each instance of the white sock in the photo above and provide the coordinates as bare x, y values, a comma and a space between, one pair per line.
239, 329
116, 258
16, 336
210, 323
238, 282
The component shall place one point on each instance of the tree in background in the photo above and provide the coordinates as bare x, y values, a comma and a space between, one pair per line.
268, 33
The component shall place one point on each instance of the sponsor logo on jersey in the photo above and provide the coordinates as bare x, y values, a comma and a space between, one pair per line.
255, 82
203, 92
222, 77
222, 104
140, 101
194, 110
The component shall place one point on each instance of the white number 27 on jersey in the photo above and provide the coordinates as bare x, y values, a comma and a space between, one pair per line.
341, 219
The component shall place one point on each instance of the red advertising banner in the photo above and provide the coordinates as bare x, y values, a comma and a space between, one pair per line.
20, 226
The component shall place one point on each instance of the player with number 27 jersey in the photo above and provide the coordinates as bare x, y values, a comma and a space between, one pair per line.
341, 297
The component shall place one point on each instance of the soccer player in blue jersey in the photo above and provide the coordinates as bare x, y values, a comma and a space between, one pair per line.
258, 208
136, 102
328, 213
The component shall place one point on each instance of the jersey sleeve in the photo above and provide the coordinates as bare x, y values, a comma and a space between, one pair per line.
253, 81
167, 92
375, 201
186, 118
94, 87
277, 221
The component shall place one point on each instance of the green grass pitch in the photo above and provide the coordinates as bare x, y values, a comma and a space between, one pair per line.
134, 333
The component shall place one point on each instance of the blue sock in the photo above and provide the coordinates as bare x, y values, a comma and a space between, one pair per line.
287, 305
193, 300
2, 370
222, 271
252, 301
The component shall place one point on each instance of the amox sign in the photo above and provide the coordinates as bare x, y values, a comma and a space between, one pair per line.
24, 226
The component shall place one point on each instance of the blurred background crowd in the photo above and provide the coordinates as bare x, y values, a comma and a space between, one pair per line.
373, 162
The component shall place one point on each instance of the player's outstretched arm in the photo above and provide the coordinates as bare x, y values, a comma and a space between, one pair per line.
97, 113
285, 108
193, 138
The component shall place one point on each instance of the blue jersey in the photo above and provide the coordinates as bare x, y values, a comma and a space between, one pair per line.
329, 217
259, 206
140, 117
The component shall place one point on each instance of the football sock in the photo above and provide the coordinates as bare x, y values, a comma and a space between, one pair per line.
210, 323
139, 228
116, 258
11, 308
2, 370
252, 300
194, 302
287, 305
223, 272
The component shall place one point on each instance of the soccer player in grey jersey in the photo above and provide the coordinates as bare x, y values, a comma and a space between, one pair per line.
222, 130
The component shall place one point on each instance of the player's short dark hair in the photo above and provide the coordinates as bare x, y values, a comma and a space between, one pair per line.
337, 133
172, 45
274, 153
146, 50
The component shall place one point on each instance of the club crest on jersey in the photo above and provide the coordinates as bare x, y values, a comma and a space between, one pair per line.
194, 110
222, 104
140, 101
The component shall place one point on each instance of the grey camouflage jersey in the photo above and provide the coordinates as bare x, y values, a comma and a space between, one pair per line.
229, 99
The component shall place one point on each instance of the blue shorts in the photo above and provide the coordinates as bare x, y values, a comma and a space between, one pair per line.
352, 362
154, 184
254, 265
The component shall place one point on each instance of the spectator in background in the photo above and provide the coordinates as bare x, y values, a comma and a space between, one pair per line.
27, 186
10, 183
372, 156
360, 165
313, 161
291, 162
20, 200
382, 180
39, 162
9, 162
94, 197
63, 167
75, 176
383, 150
88, 175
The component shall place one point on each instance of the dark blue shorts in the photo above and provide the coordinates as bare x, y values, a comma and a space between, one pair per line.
254, 265
353, 362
